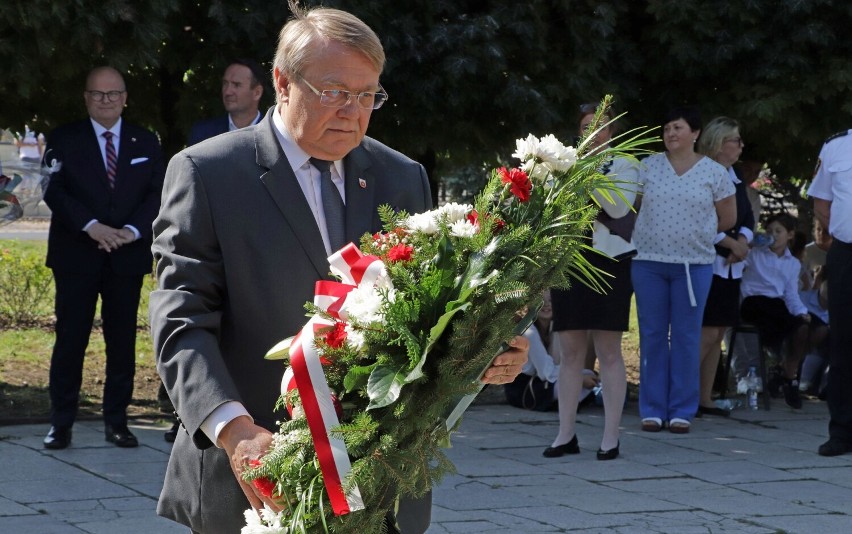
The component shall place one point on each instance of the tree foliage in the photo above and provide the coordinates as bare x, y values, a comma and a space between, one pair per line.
466, 77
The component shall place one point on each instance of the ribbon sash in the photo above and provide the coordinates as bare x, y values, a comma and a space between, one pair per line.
306, 374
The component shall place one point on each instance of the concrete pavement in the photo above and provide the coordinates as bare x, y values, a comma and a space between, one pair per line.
757, 472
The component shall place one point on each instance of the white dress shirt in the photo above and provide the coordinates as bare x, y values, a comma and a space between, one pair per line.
116, 140
769, 275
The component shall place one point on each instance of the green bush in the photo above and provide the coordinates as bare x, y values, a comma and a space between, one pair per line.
26, 286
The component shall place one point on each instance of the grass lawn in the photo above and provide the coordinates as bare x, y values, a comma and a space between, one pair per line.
25, 359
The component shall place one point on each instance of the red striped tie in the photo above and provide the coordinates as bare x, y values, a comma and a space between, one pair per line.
111, 159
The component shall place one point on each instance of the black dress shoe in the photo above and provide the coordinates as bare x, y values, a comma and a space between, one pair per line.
567, 448
171, 434
57, 438
611, 454
120, 435
835, 447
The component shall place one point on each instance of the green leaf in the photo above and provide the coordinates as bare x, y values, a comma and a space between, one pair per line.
281, 350
434, 335
357, 375
384, 386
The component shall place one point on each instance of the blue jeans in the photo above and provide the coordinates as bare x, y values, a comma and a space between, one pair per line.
669, 336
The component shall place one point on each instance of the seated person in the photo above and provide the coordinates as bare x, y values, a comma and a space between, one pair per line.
771, 301
815, 253
813, 378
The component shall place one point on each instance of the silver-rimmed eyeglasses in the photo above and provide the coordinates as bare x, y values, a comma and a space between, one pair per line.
109, 96
338, 98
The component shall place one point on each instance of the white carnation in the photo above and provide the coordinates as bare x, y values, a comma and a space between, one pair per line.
268, 522
453, 212
364, 304
425, 223
462, 229
526, 149
354, 337
555, 155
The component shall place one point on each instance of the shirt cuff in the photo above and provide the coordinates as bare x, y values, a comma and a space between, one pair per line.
89, 225
220, 417
134, 230
719, 237
747, 233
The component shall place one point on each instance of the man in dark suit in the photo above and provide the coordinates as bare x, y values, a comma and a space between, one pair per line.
242, 236
103, 200
242, 89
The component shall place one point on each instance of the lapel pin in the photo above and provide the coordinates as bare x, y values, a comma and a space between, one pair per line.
133, 139
363, 183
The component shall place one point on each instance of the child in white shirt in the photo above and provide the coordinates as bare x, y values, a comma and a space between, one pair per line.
771, 301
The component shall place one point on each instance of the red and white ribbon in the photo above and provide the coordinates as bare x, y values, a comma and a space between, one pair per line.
306, 373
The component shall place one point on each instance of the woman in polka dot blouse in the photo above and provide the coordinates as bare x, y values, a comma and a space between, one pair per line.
686, 200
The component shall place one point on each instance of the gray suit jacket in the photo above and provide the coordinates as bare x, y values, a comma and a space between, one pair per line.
238, 252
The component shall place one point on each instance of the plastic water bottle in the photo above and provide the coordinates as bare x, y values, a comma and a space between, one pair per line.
751, 380
762, 239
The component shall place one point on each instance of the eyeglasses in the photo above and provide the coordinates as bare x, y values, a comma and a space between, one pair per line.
737, 140
338, 98
109, 96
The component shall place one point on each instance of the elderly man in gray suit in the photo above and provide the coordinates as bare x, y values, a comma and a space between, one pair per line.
246, 224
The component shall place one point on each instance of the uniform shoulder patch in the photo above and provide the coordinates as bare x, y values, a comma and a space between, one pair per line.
838, 134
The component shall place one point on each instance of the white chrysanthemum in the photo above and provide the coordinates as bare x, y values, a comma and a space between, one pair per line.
268, 522
555, 155
526, 149
364, 305
354, 337
425, 223
462, 229
453, 212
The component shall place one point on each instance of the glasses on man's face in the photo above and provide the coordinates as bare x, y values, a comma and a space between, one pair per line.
100, 96
735, 140
338, 98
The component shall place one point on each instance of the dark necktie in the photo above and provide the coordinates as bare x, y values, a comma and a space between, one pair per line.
332, 206
111, 159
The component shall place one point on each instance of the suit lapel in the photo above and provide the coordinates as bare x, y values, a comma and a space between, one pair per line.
360, 190
282, 185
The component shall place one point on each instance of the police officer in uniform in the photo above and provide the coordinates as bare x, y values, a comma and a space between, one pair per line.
832, 193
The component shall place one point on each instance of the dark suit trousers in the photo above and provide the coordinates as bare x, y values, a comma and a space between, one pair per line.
76, 299
839, 265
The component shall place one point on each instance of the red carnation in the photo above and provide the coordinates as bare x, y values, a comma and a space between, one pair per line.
521, 184
336, 335
473, 218
265, 486
400, 252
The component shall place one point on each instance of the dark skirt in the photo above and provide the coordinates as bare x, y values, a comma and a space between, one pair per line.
723, 302
582, 308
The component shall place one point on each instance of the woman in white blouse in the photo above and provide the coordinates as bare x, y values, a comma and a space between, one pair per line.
687, 199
